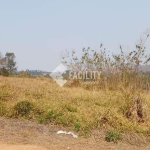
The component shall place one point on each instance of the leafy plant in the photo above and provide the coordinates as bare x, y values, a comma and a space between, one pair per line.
23, 108
52, 115
113, 136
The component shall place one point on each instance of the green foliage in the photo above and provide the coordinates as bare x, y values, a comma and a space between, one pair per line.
10, 62
7, 64
113, 136
23, 108
86, 130
77, 126
52, 115
40, 119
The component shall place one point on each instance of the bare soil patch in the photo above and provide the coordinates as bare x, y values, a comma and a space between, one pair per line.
26, 135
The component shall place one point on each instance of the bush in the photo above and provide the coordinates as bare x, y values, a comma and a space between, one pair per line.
52, 115
113, 136
23, 108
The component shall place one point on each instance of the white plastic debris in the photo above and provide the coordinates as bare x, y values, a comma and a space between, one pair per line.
64, 132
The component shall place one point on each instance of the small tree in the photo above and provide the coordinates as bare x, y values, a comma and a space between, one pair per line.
10, 62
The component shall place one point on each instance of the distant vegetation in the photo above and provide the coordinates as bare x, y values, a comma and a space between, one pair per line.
126, 68
8, 64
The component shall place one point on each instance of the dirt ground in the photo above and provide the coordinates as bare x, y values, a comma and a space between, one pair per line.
27, 135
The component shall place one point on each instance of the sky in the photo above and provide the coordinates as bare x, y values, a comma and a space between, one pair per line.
39, 31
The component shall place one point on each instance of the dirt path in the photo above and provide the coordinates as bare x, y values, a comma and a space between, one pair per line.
19, 147
26, 135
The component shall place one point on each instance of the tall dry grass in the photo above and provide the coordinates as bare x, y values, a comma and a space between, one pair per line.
75, 107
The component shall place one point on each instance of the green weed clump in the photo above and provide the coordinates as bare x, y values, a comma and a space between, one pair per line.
113, 136
23, 108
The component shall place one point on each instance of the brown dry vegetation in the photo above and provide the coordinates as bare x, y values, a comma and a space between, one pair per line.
76, 108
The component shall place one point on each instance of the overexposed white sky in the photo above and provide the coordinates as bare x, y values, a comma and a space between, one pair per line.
38, 31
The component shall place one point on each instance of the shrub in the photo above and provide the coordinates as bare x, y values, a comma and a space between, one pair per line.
113, 136
40, 119
23, 108
77, 126
52, 115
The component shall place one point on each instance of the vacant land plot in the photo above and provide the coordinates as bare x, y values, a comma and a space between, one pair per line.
96, 116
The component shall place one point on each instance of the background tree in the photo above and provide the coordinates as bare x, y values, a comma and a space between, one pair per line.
2, 61
10, 62
3, 70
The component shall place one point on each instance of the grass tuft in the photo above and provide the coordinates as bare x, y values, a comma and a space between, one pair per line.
23, 108
113, 136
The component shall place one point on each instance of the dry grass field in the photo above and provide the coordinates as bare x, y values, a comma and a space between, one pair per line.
116, 113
